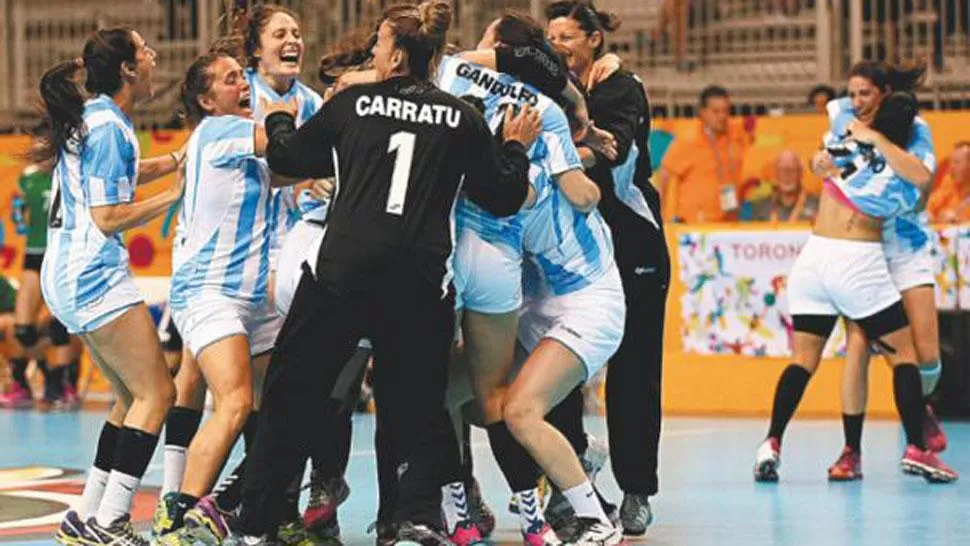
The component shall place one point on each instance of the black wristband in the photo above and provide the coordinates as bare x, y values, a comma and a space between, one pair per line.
278, 122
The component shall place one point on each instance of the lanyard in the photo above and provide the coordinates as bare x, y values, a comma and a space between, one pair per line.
724, 169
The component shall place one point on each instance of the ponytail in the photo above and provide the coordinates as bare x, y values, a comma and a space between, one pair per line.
63, 106
105, 51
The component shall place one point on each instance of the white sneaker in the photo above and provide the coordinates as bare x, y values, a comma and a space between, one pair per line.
767, 461
593, 532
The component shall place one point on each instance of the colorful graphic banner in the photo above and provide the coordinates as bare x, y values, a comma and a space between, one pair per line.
735, 297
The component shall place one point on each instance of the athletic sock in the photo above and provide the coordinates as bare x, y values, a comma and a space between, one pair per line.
520, 471
132, 454
788, 393
531, 518
98, 475
852, 426
180, 428
73, 373
454, 505
585, 502
909, 402
18, 369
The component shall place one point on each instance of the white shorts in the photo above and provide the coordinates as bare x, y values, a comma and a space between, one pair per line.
589, 321
835, 277
214, 317
302, 244
913, 269
488, 277
113, 304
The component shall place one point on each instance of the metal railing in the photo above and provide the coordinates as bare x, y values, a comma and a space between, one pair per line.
769, 53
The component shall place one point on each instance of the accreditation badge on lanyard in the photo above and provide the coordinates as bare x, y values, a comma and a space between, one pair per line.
728, 191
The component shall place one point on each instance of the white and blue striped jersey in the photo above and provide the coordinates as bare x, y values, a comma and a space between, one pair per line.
907, 231
867, 180
288, 208
552, 154
82, 264
571, 249
225, 218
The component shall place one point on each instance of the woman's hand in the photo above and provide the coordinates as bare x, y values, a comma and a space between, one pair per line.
864, 134
603, 68
823, 165
291, 106
321, 189
602, 141
524, 127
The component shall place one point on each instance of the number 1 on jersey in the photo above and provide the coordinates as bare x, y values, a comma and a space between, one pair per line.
403, 144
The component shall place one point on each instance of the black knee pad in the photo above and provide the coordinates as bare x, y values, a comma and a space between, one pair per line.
32, 262
884, 322
819, 325
27, 335
58, 333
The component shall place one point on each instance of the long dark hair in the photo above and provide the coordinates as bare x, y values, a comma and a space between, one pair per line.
420, 30
906, 78
587, 16
197, 82
105, 51
245, 28
896, 117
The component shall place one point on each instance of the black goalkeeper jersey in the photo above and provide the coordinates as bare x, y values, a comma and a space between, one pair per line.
401, 150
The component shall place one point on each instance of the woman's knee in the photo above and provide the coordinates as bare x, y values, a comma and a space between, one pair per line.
236, 405
521, 414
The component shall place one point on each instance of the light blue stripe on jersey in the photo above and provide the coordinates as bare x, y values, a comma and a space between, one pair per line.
908, 232
627, 192
867, 180
225, 219
286, 212
553, 153
82, 264
572, 249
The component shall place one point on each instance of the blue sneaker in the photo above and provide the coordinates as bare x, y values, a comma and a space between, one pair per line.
119, 533
73, 531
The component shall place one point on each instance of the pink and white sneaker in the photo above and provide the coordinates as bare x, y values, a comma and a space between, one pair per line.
18, 397
927, 464
545, 536
466, 533
767, 461
933, 432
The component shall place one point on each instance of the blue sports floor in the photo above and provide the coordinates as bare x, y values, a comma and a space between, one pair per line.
707, 494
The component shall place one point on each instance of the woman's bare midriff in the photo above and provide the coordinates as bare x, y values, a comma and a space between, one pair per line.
837, 221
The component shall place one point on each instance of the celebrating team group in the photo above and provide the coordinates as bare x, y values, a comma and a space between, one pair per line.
439, 212
482, 225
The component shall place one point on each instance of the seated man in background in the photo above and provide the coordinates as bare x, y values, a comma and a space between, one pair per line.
788, 202
950, 201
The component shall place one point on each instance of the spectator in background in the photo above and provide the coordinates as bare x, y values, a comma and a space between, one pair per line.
700, 176
819, 98
789, 202
950, 202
